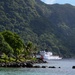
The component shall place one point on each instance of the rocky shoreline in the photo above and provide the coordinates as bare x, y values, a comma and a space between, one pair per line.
28, 64
24, 65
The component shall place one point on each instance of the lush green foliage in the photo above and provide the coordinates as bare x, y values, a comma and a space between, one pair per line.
12, 47
10, 44
4, 46
50, 27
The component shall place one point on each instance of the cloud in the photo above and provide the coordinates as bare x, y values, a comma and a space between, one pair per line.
49, 1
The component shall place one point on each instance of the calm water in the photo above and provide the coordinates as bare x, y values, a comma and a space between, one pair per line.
65, 64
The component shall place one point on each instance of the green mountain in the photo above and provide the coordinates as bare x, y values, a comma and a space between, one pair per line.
50, 27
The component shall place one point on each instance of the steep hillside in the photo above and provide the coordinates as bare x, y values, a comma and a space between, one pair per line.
50, 27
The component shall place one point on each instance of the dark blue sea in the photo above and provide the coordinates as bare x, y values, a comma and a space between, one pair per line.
65, 64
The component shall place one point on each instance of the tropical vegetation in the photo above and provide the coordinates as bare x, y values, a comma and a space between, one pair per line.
13, 49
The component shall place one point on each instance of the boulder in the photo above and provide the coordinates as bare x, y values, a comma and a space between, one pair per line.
44, 66
37, 66
73, 67
51, 67
29, 65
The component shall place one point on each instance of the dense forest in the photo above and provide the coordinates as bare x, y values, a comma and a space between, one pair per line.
49, 27
13, 49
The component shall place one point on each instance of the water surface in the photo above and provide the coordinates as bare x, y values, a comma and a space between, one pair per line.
65, 64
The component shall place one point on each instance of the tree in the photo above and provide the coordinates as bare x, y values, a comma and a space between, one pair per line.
29, 50
4, 46
15, 42
5, 49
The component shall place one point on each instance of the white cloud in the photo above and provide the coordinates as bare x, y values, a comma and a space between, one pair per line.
49, 1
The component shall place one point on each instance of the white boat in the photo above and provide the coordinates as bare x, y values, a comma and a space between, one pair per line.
49, 55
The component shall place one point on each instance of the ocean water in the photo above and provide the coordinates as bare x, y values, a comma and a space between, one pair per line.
65, 64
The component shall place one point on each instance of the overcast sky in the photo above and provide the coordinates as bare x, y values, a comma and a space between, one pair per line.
59, 1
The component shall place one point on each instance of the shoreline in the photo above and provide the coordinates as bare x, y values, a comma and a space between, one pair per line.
27, 64
23, 65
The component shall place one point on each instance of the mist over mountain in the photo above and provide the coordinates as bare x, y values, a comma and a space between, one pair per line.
50, 27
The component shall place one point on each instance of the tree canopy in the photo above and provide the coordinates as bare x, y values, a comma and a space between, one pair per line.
12, 46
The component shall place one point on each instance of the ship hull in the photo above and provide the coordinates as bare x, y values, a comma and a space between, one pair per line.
51, 57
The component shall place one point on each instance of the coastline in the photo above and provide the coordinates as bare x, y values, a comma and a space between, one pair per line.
24, 65
27, 64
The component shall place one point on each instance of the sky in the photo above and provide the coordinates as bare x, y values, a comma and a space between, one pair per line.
72, 2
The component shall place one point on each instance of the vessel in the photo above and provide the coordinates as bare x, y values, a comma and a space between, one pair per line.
49, 55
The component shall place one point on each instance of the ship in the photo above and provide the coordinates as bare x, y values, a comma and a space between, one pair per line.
49, 55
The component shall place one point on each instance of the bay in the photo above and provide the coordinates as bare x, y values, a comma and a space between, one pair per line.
65, 64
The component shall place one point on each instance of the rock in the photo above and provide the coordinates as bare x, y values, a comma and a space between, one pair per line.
59, 67
44, 61
51, 67
13, 65
29, 65
73, 67
37, 66
2, 65
23, 64
44, 66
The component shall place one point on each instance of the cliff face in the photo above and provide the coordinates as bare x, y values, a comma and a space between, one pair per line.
50, 27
